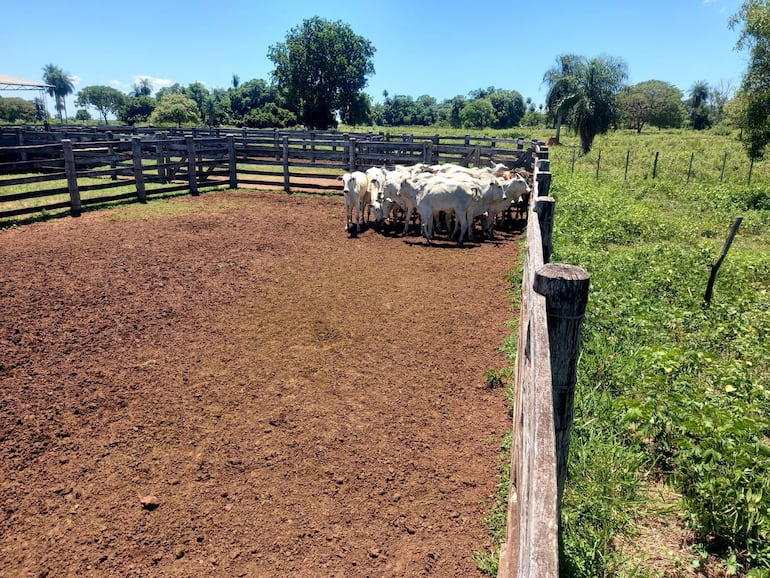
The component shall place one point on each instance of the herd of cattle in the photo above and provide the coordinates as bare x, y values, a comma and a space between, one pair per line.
461, 195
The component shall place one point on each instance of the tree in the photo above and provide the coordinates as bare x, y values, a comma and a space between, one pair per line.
508, 106
62, 85
561, 81
175, 108
478, 113
250, 95
754, 16
700, 116
200, 94
142, 87
82, 115
105, 99
589, 95
652, 102
321, 67
270, 116
16, 109
136, 109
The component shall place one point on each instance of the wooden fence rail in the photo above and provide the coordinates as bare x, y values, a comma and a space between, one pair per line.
553, 300
34, 177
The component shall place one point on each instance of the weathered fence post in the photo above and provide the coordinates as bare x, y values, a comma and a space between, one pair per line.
427, 152
136, 158
111, 152
598, 162
751, 169
574, 154
718, 263
286, 183
565, 288
233, 162
192, 177
277, 145
544, 210
724, 162
628, 157
655, 165
352, 155
543, 179
312, 146
71, 170
689, 168
160, 159
20, 143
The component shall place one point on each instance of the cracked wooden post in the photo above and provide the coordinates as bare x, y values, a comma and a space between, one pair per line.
70, 169
192, 177
136, 158
285, 156
232, 161
544, 210
565, 288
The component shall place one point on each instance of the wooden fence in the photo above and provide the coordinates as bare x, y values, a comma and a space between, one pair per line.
49, 173
553, 297
553, 301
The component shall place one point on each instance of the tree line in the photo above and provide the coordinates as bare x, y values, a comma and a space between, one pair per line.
321, 69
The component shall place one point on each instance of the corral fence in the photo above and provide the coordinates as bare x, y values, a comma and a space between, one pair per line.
553, 301
47, 171
553, 296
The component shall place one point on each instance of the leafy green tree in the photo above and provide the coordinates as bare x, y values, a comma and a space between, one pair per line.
136, 109
456, 106
399, 110
105, 99
359, 111
175, 88
62, 85
250, 95
700, 113
217, 107
270, 115
478, 113
200, 94
175, 108
562, 81
589, 95
508, 106
16, 109
652, 102
754, 17
82, 115
321, 67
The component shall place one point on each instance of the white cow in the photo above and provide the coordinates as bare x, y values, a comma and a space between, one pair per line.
515, 188
354, 190
390, 192
435, 194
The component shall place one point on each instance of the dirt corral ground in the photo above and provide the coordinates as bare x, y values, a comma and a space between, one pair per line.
228, 385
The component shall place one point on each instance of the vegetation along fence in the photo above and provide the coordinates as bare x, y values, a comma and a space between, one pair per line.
553, 301
65, 170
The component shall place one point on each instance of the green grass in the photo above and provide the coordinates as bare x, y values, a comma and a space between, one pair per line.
668, 388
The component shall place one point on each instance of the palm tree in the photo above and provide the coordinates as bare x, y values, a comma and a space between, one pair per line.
142, 87
587, 90
595, 107
699, 111
62, 85
561, 84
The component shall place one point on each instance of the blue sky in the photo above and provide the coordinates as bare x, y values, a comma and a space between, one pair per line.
439, 48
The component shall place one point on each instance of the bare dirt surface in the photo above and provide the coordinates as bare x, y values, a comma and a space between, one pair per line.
230, 386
